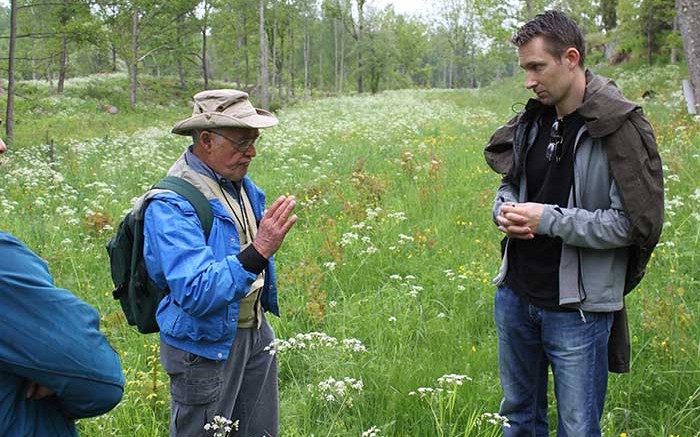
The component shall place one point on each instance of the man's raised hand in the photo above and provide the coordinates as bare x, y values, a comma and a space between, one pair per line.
274, 226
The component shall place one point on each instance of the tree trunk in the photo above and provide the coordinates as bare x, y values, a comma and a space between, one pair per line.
530, 10
674, 54
205, 72
689, 22
291, 59
34, 75
247, 55
10, 110
134, 58
240, 47
63, 64
63, 59
361, 25
608, 12
452, 67
336, 61
114, 58
320, 57
178, 58
307, 56
274, 54
444, 74
49, 75
264, 81
279, 67
205, 62
341, 81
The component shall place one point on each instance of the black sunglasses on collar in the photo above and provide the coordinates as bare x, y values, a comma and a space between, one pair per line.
556, 139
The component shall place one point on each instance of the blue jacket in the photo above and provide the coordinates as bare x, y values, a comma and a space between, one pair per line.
206, 278
49, 336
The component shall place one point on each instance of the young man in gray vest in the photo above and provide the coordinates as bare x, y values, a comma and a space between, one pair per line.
581, 204
213, 327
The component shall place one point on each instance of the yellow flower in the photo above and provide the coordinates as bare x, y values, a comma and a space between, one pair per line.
623, 434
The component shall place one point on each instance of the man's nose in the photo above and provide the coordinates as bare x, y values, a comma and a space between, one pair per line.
251, 151
530, 83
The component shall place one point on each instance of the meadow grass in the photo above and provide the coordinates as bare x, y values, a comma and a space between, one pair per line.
385, 282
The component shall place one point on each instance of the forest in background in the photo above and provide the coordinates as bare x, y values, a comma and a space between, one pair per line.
283, 50
385, 282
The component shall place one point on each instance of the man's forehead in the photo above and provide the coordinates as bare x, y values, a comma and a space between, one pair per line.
534, 52
241, 131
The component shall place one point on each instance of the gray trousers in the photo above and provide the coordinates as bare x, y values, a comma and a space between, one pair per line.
242, 388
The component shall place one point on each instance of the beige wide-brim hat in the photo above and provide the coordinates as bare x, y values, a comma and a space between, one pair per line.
226, 108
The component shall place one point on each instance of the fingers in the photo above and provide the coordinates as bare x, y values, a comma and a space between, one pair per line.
280, 209
275, 205
289, 223
513, 220
275, 224
286, 208
42, 392
520, 220
31, 389
35, 391
522, 236
513, 224
521, 232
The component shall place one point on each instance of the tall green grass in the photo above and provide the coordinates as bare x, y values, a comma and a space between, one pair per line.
386, 278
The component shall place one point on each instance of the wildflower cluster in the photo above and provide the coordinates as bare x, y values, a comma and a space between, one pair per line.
337, 390
374, 431
221, 426
446, 383
412, 290
361, 231
492, 419
314, 340
452, 380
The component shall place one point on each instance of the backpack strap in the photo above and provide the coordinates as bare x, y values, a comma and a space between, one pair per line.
194, 196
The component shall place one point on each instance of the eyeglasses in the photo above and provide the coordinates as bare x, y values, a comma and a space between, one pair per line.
555, 142
241, 145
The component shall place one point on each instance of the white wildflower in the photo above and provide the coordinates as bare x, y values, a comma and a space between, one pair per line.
372, 432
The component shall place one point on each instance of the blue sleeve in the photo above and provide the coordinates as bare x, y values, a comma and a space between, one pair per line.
49, 336
177, 255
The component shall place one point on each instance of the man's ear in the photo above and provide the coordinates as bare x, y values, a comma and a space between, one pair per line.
572, 57
205, 139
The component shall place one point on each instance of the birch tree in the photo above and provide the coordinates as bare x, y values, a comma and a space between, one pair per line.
10, 110
689, 21
352, 14
264, 78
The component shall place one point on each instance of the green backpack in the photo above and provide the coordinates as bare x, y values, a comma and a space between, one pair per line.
138, 295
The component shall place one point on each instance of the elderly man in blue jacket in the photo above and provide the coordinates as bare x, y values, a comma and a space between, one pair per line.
55, 364
212, 323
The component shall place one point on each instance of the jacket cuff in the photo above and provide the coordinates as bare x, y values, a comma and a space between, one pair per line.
252, 260
550, 214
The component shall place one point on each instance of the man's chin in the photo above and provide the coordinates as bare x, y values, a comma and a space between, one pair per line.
543, 98
239, 175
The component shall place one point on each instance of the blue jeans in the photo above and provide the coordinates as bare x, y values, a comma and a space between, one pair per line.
530, 339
